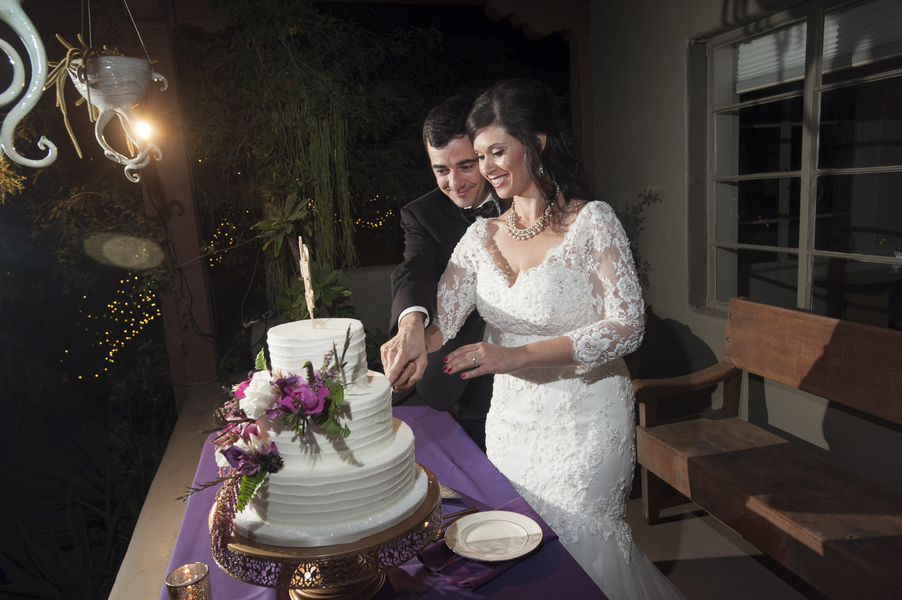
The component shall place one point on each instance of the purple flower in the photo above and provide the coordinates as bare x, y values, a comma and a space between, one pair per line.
241, 461
250, 433
298, 395
239, 389
269, 458
251, 452
283, 382
276, 411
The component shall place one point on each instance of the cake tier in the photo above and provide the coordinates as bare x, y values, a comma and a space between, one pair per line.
309, 504
366, 411
293, 344
333, 490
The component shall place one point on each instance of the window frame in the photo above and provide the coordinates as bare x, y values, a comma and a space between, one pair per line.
814, 14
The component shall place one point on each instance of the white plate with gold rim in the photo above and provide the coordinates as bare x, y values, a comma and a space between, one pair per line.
493, 535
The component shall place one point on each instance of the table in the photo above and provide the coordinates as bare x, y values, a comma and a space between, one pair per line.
446, 450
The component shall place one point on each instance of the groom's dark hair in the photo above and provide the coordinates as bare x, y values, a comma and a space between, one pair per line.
446, 121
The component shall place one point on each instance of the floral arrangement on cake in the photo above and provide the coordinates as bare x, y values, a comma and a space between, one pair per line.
244, 451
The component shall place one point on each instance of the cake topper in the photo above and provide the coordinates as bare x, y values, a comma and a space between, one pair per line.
308, 282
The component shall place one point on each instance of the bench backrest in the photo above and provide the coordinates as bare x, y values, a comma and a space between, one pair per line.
856, 365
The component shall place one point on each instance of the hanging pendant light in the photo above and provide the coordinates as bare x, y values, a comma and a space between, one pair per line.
114, 85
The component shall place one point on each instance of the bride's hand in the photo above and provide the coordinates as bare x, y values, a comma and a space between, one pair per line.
490, 359
494, 360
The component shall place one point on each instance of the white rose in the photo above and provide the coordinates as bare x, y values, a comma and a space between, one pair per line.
258, 395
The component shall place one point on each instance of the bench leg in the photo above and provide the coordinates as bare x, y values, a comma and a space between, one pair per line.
651, 496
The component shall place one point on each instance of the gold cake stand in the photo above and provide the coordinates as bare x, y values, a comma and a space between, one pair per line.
352, 571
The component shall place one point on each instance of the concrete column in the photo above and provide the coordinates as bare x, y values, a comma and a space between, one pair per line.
169, 201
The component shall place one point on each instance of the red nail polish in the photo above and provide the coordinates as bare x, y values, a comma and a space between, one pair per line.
446, 369
446, 359
463, 375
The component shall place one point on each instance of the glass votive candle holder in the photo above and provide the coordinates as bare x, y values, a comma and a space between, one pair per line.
189, 582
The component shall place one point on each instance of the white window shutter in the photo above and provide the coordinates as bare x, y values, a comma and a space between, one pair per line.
860, 35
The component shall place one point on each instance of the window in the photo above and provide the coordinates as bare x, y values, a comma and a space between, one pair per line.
804, 186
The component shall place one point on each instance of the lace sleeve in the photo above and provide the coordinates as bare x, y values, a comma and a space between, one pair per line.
616, 295
457, 288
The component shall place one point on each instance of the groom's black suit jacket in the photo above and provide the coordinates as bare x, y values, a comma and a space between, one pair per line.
432, 227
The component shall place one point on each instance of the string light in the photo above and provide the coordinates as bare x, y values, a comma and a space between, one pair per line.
123, 320
223, 238
379, 220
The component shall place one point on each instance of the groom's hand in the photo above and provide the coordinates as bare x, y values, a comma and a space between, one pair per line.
404, 356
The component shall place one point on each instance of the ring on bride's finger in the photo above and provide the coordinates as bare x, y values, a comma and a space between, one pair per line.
475, 363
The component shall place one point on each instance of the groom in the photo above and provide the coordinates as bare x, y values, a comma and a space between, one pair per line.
433, 224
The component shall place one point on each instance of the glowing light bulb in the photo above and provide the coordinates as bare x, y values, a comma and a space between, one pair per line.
143, 130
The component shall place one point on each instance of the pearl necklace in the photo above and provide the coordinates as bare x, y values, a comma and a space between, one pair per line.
531, 231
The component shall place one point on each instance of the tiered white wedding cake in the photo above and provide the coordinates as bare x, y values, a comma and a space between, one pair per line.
334, 490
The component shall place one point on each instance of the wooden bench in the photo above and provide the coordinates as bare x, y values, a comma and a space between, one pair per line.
839, 531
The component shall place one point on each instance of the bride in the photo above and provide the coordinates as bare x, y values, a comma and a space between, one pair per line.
554, 275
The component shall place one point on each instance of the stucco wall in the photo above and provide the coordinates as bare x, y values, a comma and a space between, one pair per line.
639, 61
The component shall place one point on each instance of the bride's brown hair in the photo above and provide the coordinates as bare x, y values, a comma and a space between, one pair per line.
525, 108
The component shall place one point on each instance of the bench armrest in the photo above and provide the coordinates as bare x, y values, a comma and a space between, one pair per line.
648, 390
687, 383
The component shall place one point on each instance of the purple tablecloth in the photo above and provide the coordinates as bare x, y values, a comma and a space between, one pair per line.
443, 448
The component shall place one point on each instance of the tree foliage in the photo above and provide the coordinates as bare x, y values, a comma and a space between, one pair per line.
277, 97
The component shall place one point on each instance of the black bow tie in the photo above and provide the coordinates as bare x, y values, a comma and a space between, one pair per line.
488, 210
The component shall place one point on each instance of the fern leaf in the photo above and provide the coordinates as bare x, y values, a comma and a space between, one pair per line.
336, 396
328, 419
249, 486
331, 425
296, 422
260, 362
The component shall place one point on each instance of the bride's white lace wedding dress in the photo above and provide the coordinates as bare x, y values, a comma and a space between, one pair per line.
565, 436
